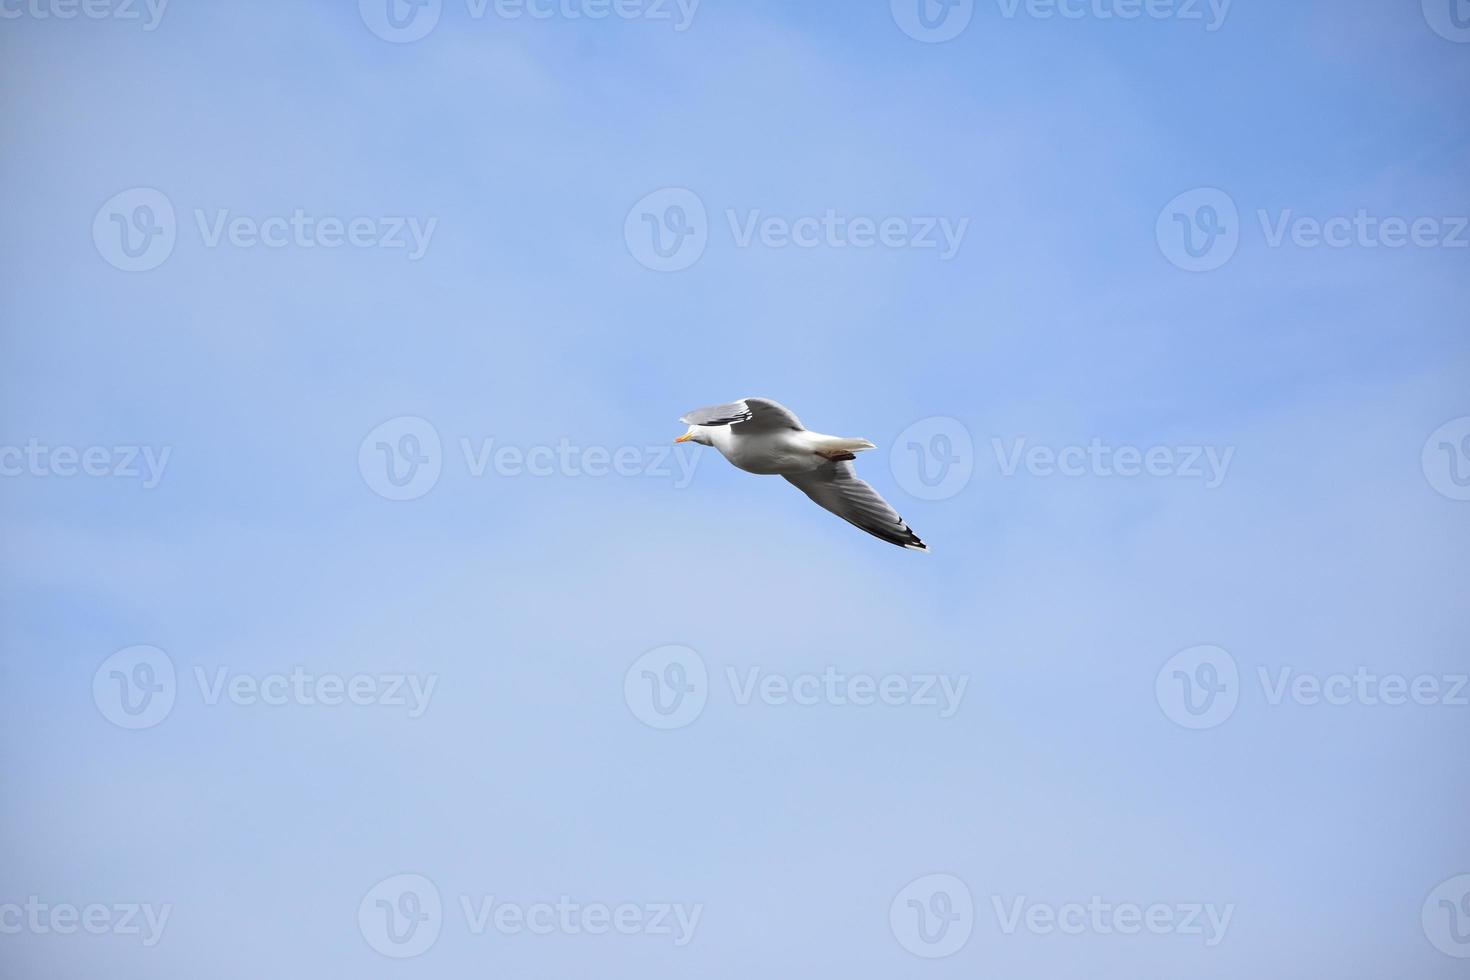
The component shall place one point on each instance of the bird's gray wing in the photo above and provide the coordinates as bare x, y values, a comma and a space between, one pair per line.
750, 414
836, 487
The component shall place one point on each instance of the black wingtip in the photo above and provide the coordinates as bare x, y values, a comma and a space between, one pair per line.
906, 538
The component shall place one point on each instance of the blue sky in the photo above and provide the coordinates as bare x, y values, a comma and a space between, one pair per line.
1329, 546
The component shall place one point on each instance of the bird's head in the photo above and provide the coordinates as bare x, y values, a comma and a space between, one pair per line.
696, 433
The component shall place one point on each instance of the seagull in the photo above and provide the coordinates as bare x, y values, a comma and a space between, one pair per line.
761, 436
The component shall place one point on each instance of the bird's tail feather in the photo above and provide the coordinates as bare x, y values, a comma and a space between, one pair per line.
837, 444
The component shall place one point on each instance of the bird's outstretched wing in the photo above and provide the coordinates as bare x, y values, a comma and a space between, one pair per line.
836, 487
751, 414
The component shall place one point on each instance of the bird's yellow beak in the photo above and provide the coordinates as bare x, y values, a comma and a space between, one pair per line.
685, 437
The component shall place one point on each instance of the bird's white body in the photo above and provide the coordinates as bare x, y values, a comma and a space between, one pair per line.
780, 452
760, 436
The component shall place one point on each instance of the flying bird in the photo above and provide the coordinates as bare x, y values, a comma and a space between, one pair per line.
762, 436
